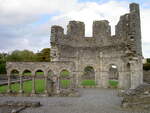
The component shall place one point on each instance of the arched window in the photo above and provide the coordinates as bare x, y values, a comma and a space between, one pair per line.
39, 81
14, 72
27, 81
113, 76
65, 81
27, 73
88, 77
39, 72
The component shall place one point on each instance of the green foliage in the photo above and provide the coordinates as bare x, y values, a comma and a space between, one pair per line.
88, 83
39, 85
3, 63
2, 67
148, 60
64, 73
21, 56
40, 73
113, 83
65, 83
146, 66
44, 55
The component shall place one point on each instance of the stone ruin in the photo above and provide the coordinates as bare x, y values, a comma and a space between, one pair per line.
74, 52
138, 98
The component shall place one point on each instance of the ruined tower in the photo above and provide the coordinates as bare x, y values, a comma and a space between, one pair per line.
102, 50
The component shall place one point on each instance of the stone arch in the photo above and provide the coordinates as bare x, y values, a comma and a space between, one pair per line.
27, 80
39, 70
65, 79
14, 76
113, 75
27, 72
67, 69
88, 76
14, 72
39, 80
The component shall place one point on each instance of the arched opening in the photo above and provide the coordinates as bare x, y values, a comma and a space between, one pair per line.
39, 81
113, 76
64, 78
15, 79
27, 81
128, 76
88, 77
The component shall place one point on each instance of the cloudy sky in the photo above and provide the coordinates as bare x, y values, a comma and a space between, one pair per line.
25, 24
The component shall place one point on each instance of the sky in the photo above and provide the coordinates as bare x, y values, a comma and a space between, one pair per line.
25, 24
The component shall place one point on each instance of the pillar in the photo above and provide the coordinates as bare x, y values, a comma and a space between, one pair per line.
58, 85
21, 84
9, 83
33, 84
46, 84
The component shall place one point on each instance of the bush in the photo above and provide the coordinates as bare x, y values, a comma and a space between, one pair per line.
146, 66
2, 67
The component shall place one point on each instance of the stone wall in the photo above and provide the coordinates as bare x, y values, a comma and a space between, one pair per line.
101, 50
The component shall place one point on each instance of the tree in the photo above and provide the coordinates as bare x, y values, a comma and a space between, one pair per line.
43, 55
3, 63
148, 60
21, 56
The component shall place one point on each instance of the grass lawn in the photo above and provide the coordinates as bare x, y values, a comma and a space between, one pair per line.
27, 86
113, 83
88, 83
65, 83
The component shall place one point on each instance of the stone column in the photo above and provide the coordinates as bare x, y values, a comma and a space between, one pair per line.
46, 85
21, 84
33, 84
135, 79
9, 83
57, 85
105, 79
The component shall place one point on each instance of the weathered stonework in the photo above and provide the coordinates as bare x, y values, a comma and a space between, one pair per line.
100, 51
73, 51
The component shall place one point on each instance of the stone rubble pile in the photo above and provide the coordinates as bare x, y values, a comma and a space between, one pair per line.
17, 106
137, 98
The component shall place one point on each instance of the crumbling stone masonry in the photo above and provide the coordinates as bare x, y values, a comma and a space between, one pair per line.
73, 52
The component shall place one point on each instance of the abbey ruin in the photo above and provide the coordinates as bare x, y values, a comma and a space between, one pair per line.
74, 52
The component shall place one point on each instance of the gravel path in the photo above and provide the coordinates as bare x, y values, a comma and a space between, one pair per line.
91, 101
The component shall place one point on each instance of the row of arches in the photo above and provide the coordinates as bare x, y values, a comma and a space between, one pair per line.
65, 78
40, 82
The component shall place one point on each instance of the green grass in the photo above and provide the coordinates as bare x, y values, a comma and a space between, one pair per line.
27, 74
65, 83
27, 86
113, 83
88, 83
39, 86
39, 73
64, 73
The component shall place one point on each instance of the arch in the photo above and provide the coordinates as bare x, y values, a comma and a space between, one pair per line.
27, 72
65, 79
15, 77
113, 76
64, 73
88, 77
39, 72
14, 72
39, 81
